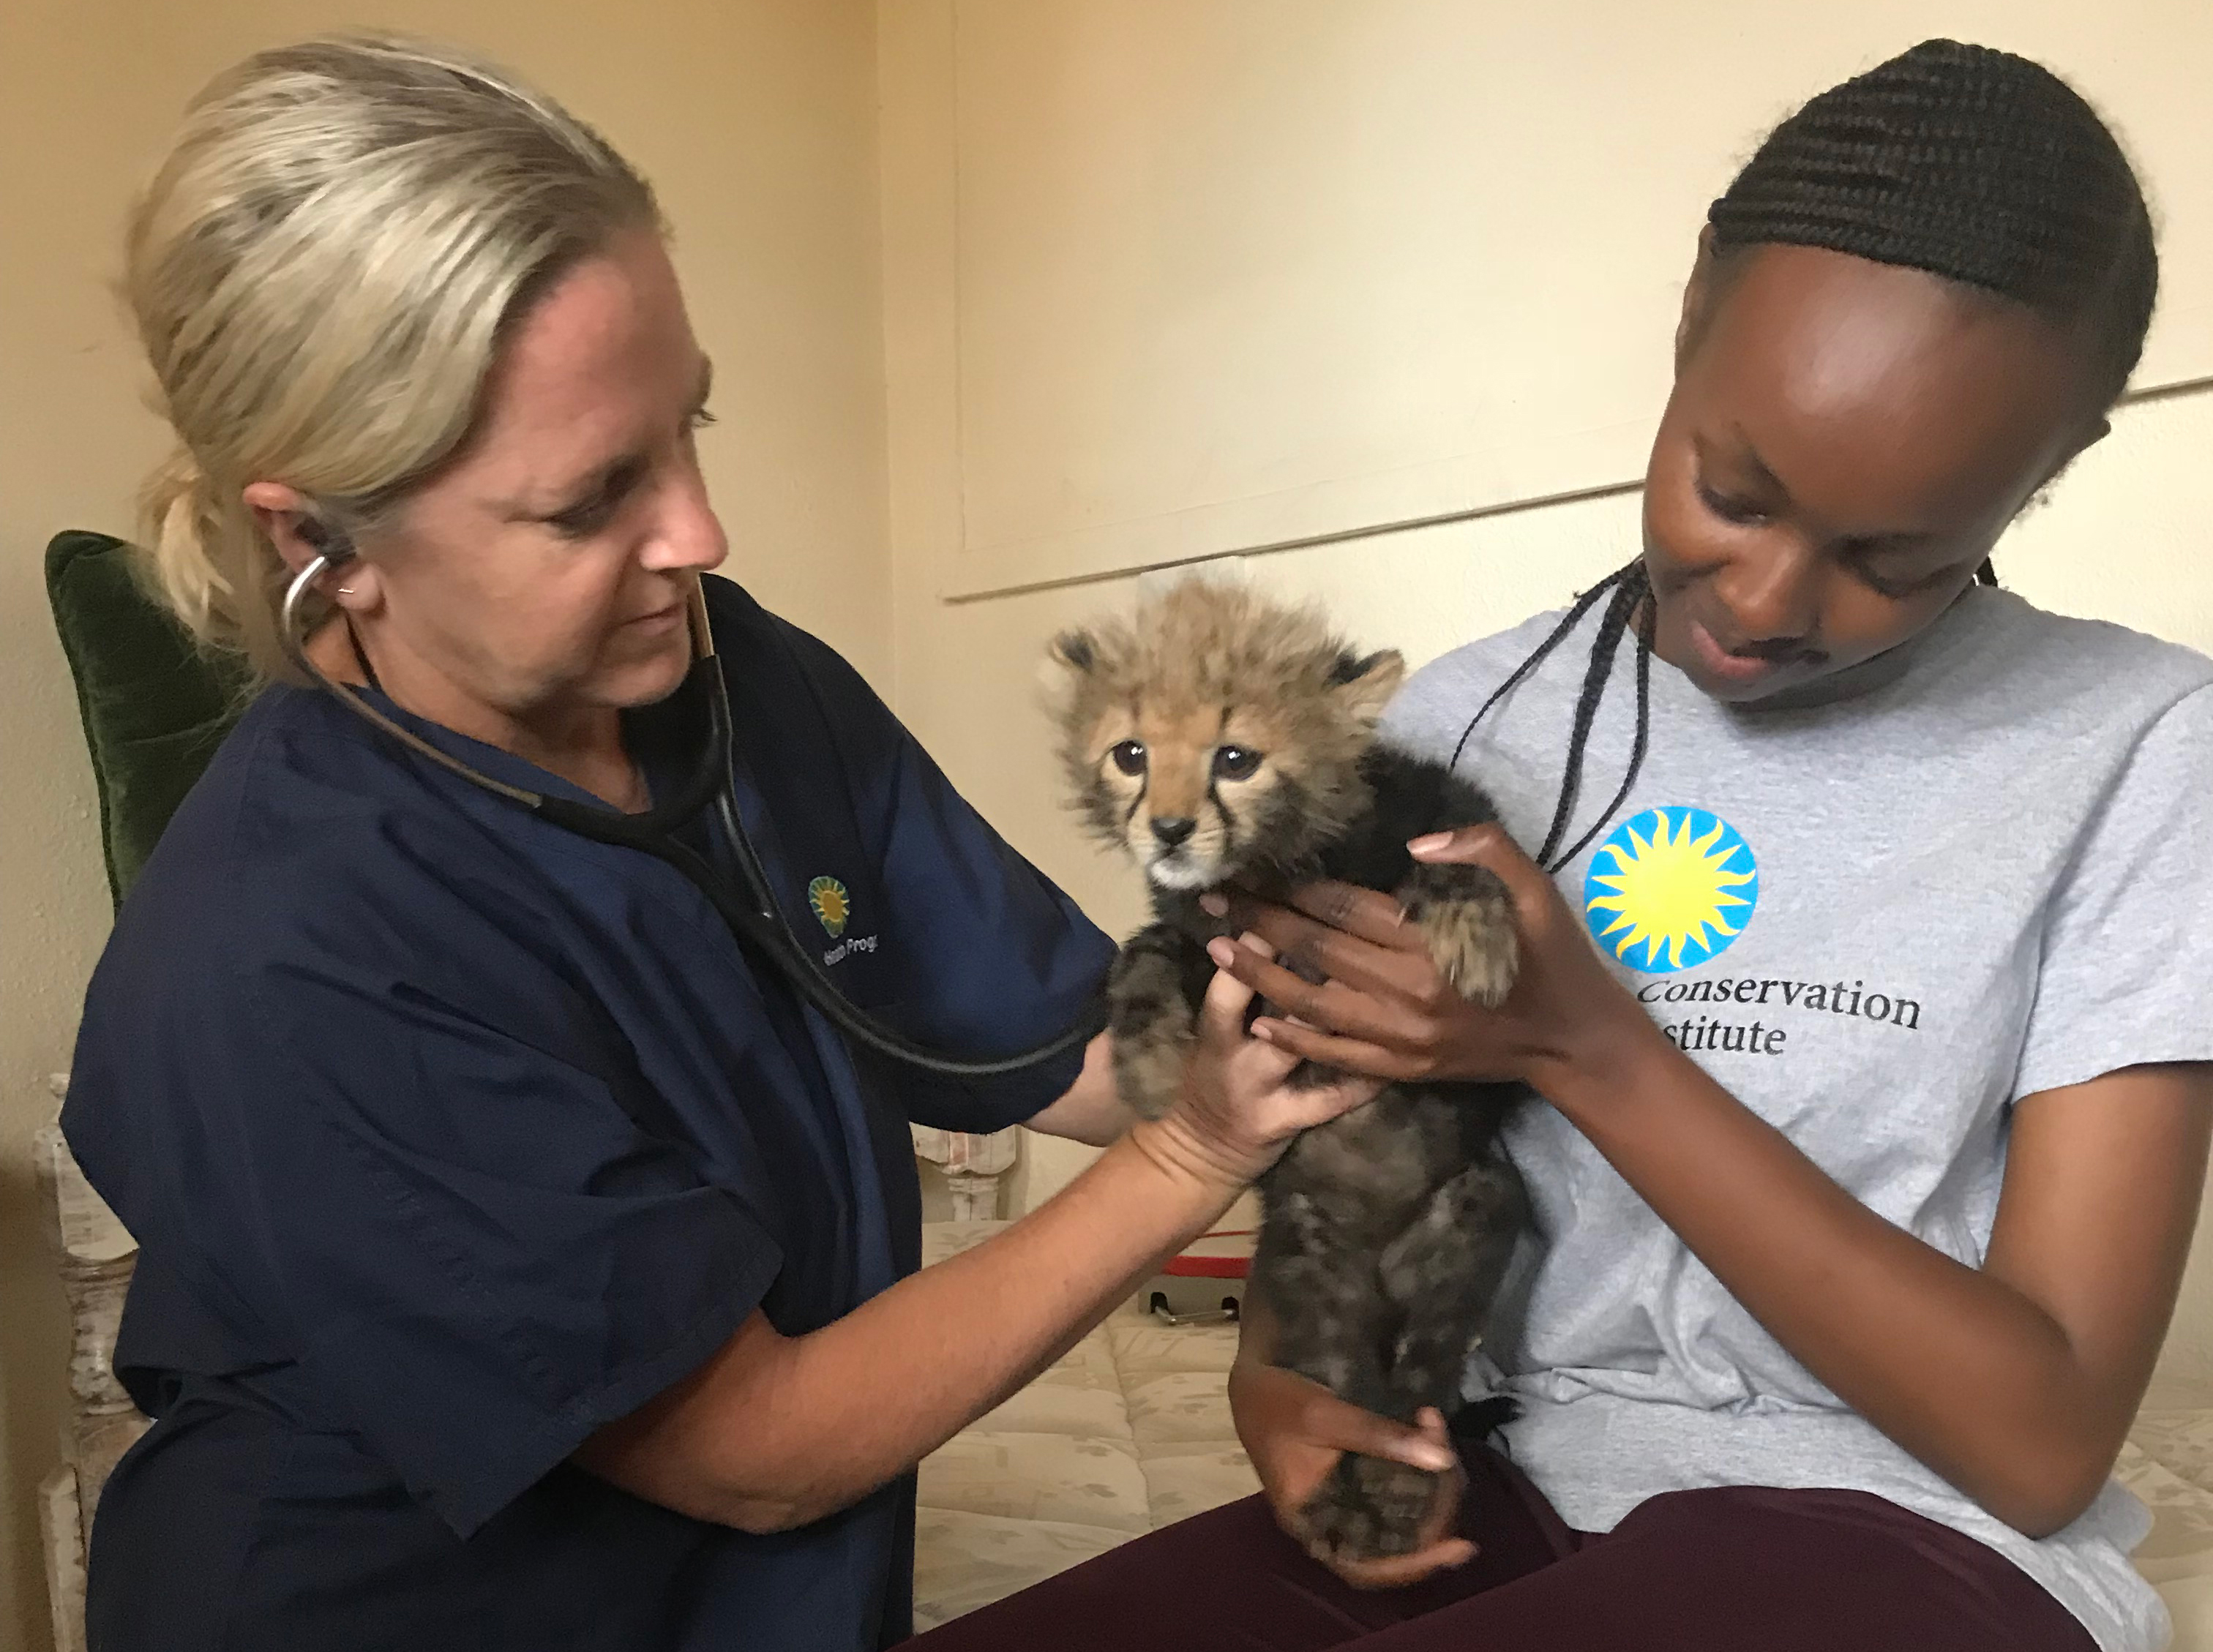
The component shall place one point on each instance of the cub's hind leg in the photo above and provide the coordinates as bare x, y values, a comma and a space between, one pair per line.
1370, 1508
1443, 1272
1440, 1275
1334, 1325
1149, 1015
1367, 1507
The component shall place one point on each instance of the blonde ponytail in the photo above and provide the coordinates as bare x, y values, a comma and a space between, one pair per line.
182, 543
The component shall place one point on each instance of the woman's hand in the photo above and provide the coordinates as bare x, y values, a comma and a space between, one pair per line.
1236, 1114
1295, 1430
1385, 1010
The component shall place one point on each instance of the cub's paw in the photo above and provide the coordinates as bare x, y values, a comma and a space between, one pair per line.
1369, 1508
1152, 1038
1148, 1072
1468, 922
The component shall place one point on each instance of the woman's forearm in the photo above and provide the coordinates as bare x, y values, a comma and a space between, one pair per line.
1962, 1370
774, 1432
1092, 1110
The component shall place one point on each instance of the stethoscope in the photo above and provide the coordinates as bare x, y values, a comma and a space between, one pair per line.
754, 918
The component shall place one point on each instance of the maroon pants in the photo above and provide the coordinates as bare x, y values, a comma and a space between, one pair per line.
1731, 1569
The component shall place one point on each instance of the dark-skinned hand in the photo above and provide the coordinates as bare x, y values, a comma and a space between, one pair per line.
1383, 1010
1295, 1430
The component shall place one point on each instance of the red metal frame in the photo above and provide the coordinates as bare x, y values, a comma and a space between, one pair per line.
1188, 1266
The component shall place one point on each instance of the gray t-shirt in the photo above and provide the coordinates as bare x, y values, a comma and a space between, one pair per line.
1980, 867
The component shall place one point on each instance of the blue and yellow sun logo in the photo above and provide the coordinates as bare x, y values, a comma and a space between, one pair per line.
830, 903
1680, 884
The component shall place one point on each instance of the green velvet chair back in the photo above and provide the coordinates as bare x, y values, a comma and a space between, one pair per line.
154, 706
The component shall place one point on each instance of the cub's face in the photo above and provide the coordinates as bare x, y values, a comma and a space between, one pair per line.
1217, 735
1191, 791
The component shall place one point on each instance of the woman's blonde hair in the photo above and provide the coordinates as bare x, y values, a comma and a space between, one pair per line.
322, 273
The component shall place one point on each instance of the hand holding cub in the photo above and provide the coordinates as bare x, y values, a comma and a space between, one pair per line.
1384, 1007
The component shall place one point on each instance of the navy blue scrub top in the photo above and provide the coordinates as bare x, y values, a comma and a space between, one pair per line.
448, 1136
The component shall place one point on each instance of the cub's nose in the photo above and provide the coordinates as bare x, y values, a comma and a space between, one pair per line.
1171, 830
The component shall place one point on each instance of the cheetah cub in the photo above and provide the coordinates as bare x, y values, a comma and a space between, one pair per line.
1219, 738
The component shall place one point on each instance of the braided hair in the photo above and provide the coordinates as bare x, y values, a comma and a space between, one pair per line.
1974, 165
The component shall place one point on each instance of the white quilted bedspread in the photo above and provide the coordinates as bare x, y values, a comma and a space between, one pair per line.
1130, 1431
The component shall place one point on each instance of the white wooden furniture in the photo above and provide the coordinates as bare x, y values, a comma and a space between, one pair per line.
95, 1256
973, 1167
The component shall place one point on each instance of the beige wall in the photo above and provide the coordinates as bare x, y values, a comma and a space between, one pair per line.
756, 120
1238, 272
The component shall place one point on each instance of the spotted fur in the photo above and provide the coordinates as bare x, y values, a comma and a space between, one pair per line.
1384, 1233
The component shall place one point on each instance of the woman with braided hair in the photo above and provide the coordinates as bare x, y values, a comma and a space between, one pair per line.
1870, 1011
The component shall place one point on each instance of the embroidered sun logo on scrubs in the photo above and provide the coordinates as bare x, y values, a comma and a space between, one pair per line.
1670, 888
830, 903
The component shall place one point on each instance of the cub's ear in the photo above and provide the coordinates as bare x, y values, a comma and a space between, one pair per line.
1074, 651
1365, 683
1066, 669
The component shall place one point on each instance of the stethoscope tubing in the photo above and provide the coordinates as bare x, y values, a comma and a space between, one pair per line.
755, 922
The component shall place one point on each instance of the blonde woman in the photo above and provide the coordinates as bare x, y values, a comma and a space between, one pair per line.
521, 1266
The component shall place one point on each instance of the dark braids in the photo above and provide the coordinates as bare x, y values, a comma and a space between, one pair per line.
1627, 589
1972, 164
1627, 606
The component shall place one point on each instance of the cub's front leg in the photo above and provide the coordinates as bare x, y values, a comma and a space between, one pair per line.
1467, 916
1150, 1016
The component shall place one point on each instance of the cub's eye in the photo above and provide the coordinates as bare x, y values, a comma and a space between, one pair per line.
1235, 763
1128, 756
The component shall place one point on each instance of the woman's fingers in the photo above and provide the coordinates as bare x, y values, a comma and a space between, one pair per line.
1401, 969
1308, 1414
1490, 847
1333, 1005
1374, 918
1222, 1024
1430, 1423
1344, 1426
1229, 996
1346, 1055
1305, 1108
